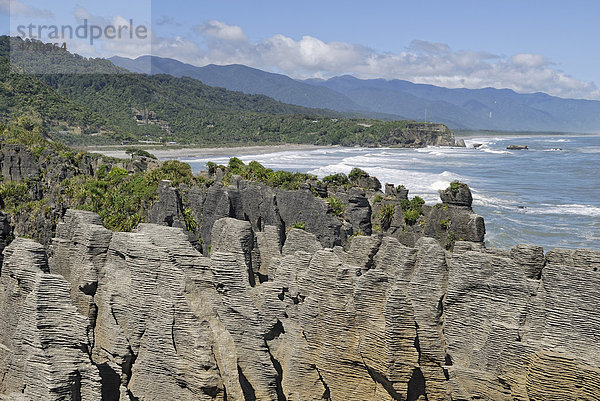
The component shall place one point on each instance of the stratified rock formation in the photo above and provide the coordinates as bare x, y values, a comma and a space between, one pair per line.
54, 182
273, 315
363, 210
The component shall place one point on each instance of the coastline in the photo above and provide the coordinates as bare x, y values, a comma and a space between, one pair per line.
182, 153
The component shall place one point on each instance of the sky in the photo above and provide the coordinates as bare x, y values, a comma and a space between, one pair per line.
528, 46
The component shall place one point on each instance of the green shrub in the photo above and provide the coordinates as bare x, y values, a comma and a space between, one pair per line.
235, 165
357, 233
116, 174
387, 212
281, 179
417, 202
357, 173
173, 170
455, 186
211, 167
377, 199
386, 215
299, 225
450, 241
119, 198
102, 171
257, 172
13, 195
411, 216
336, 206
37, 151
339, 179
190, 222
139, 152
445, 223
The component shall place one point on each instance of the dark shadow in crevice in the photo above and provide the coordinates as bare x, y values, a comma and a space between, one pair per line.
247, 389
111, 382
416, 386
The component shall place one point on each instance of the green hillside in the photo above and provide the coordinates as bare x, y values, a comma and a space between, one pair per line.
101, 103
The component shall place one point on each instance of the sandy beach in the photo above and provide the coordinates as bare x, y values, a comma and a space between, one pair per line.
183, 153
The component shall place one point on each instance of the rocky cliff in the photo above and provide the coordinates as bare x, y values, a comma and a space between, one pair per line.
104, 315
257, 285
41, 184
418, 135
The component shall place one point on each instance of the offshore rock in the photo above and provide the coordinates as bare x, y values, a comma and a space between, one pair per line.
417, 135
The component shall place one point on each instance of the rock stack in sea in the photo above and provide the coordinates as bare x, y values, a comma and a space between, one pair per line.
145, 316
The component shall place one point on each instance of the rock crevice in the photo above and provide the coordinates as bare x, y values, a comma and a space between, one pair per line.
145, 316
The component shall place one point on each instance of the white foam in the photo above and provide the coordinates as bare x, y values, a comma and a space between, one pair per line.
569, 209
498, 152
480, 199
425, 185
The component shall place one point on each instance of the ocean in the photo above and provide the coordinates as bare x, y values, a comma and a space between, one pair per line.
548, 195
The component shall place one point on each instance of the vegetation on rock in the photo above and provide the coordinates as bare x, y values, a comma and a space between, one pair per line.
340, 179
386, 214
299, 225
357, 173
255, 171
139, 152
336, 206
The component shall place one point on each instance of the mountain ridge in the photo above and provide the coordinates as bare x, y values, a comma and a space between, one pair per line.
226, 77
460, 108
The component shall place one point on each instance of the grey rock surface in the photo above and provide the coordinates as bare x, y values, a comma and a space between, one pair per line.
145, 316
458, 194
44, 340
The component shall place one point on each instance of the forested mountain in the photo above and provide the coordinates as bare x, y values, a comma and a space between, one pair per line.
92, 101
487, 108
245, 79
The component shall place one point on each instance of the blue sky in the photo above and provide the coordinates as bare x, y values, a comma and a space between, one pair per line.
549, 46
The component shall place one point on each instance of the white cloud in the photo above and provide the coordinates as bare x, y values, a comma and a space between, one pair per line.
422, 62
429, 47
529, 60
123, 44
17, 8
221, 31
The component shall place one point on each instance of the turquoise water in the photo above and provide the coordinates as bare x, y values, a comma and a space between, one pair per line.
541, 196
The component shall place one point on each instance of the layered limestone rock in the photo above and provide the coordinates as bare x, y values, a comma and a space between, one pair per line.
359, 201
363, 211
275, 315
44, 341
43, 170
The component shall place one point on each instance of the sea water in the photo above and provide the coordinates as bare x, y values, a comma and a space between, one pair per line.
548, 195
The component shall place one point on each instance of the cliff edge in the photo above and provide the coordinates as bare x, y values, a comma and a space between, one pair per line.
143, 316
